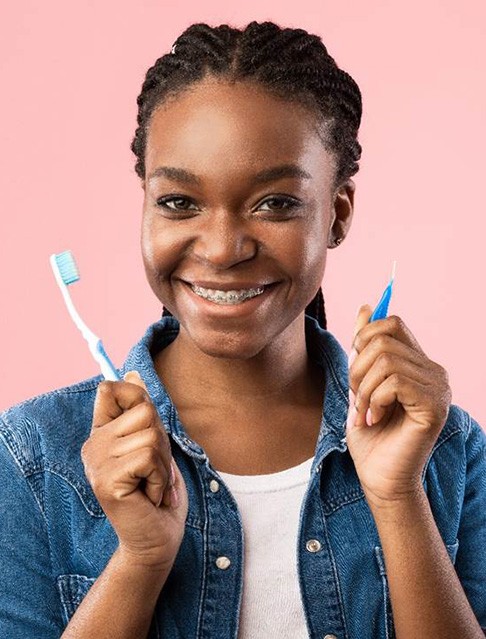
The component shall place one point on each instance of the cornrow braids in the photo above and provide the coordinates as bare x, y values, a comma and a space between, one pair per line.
290, 63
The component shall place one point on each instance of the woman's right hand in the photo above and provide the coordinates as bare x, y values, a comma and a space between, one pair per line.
127, 450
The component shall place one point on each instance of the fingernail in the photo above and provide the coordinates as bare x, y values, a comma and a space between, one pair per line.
369, 418
135, 373
350, 423
172, 473
174, 497
352, 356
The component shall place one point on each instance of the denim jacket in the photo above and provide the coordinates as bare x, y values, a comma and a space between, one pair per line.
56, 540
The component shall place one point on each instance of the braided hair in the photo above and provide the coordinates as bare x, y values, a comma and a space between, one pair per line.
290, 63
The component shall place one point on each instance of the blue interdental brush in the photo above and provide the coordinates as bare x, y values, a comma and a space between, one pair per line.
66, 273
381, 309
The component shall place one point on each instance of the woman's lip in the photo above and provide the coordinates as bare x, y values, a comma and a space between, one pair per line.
233, 286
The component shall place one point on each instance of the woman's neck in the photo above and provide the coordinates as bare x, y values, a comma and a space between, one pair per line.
280, 374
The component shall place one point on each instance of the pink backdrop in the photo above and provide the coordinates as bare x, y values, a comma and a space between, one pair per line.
70, 75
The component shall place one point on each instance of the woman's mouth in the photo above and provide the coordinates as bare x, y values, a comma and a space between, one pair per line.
227, 297
233, 302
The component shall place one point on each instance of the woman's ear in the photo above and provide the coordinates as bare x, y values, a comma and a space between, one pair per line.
342, 214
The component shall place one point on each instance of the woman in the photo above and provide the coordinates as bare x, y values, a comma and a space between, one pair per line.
223, 488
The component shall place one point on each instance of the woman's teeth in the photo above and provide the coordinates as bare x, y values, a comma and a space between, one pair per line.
227, 297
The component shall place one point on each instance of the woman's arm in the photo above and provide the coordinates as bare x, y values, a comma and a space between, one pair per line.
427, 598
400, 400
120, 603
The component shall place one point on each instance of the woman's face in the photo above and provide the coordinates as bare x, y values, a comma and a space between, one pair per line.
238, 196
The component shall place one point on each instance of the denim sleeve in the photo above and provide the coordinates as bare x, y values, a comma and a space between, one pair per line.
471, 555
29, 602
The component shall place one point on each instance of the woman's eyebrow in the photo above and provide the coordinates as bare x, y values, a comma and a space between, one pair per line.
267, 175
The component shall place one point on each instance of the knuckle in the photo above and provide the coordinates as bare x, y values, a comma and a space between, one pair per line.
381, 341
85, 450
385, 360
105, 387
394, 380
397, 323
151, 456
147, 411
97, 485
152, 437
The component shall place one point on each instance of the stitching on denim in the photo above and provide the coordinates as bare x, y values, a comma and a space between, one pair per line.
80, 387
335, 375
436, 447
41, 511
380, 560
205, 555
334, 568
85, 498
337, 504
72, 589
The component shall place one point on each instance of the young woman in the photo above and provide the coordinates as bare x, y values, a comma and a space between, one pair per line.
224, 488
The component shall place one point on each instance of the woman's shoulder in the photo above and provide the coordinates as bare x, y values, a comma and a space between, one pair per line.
49, 427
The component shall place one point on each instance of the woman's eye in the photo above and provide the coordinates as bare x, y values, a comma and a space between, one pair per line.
179, 203
280, 204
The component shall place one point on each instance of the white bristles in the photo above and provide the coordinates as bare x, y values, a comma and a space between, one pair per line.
394, 269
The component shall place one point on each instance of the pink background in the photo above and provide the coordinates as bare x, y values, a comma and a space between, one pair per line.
70, 76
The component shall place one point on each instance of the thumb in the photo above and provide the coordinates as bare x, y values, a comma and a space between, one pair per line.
134, 378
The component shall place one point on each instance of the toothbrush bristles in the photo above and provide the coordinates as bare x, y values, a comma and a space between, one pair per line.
394, 269
67, 267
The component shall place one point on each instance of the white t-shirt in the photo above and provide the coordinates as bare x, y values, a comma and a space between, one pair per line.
270, 509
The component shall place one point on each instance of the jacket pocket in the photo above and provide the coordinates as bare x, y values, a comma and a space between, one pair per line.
390, 629
72, 590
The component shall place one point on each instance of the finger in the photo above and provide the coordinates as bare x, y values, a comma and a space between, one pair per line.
140, 439
385, 366
113, 398
364, 313
146, 463
379, 346
414, 397
393, 326
139, 417
147, 437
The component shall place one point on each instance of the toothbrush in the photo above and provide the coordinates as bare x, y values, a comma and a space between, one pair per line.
381, 309
66, 273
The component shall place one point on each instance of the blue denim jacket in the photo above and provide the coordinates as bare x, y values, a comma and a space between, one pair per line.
56, 540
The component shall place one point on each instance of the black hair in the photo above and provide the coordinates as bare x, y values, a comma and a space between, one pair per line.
291, 63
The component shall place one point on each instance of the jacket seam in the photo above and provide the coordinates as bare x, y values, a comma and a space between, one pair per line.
41, 511
334, 570
67, 390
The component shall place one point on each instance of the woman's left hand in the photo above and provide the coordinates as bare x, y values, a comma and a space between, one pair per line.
408, 397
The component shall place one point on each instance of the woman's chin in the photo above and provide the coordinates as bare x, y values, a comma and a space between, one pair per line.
227, 344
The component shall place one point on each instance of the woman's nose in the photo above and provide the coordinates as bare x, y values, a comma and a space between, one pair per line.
225, 240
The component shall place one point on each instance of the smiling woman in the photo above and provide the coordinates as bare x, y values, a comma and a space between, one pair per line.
224, 488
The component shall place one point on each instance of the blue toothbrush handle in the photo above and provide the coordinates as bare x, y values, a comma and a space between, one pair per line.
381, 309
108, 369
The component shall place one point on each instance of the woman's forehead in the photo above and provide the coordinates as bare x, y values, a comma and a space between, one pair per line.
228, 123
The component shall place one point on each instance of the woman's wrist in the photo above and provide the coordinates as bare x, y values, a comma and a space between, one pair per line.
142, 567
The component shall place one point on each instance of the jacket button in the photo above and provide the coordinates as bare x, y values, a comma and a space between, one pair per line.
313, 545
330, 637
223, 562
213, 486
